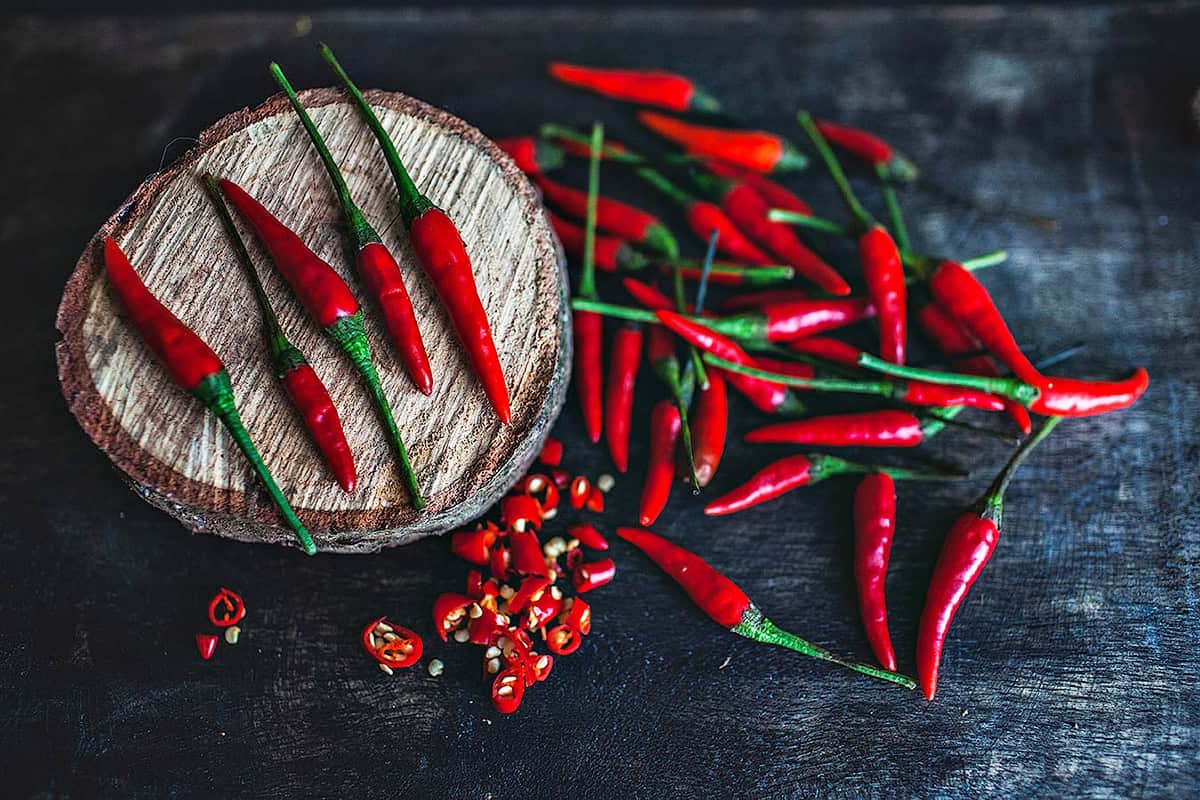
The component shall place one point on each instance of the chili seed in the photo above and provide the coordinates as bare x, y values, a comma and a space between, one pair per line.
606, 482
461, 635
550, 513
232, 633
535, 485
519, 526
383, 626
436, 667
507, 679
493, 666
374, 644
504, 691
476, 612
573, 544
507, 591
555, 593
390, 637
385, 668
491, 652
542, 662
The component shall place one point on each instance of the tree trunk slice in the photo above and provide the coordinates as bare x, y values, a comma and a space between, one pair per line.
179, 458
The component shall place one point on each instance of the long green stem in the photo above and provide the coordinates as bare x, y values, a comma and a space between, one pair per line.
993, 501
587, 274
986, 260
660, 182
757, 627
611, 153
808, 221
861, 217
216, 392
826, 466
880, 388
412, 203
363, 233
614, 310
1011, 388
899, 229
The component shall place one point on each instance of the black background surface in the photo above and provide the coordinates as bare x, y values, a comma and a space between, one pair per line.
1070, 669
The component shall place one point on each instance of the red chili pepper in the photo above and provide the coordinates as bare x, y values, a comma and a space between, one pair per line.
730, 607
786, 322
552, 452
588, 536
612, 254
651, 87
520, 508
508, 689
485, 628
589, 367
527, 558
577, 614
704, 217
577, 144
402, 650
966, 550
574, 558
206, 643
783, 367
532, 156
920, 393
1070, 397
749, 301
581, 487
748, 211
869, 148
541, 610
593, 575
832, 350
193, 365
619, 219
440, 250
874, 527
792, 472
771, 398
665, 426
964, 299
778, 196
757, 150
885, 428
562, 640
884, 275
710, 421
618, 399
736, 274
450, 612
329, 301
226, 608
649, 296
536, 484
952, 340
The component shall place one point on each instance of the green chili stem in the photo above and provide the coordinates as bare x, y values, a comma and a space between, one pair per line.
412, 203
986, 260
552, 131
826, 466
660, 182
614, 310
216, 392
882, 388
782, 271
757, 627
587, 275
899, 229
993, 501
1011, 388
363, 233
808, 221
861, 217
937, 419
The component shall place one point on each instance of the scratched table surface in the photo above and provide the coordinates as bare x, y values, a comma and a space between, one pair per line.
1070, 670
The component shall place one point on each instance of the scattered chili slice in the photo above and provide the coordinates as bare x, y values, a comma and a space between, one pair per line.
543, 488
595, 501
552, 452
531, 589
562, 640
593, 575
581, 489
508, 689
226, 608
206, 643
473, 546
392, 645
520, 510
450, 612
527, 558
577, 614
588, 536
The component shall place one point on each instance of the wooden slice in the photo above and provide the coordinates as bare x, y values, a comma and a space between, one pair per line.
176, 454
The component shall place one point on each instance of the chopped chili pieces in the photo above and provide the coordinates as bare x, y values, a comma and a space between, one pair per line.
226, 608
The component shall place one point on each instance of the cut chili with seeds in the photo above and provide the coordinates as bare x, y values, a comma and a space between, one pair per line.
450, 612
390, 644
581, 489
552, 452
226, 608
593, 575
562, 640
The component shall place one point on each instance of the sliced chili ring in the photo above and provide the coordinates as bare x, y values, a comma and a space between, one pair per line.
473, 546
521, 511
541, 488
509, 688
485, 628
574, 558
542, 609
530, 589
593, 575
540, 666
403, 649
206, 643
588, 536
577, 614
226, 608
527, 557
581, 488
562, 640
450, 612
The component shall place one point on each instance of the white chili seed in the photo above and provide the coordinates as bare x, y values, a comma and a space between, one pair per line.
390, 637
555, 593
461, 635
476, 612
535, 485
507, 591
385, 668
520, 525
374, 644
605, 482
232, 633
504, 691
508, 679
491, 652
493, 666
542, 662
383, 626
573, 544
436, 667
550, 514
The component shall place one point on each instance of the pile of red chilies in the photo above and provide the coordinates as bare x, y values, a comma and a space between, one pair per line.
769, 341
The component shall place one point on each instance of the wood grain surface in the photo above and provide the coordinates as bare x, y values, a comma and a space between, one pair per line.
180, 458
1070, 671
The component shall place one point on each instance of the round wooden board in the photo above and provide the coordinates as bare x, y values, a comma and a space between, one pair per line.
176, 454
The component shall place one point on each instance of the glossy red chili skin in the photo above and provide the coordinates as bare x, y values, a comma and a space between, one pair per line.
874, 529
545, 485
710, 425
757, 150
832, 350
919, 393
770, 482
185, 356
799, 319
487, 627
711, 591
867, 146
595, 500
588, 536
523, 151
578, 616
581, 490
952, 340
382, 649
776, 195
562, 640
1069, 397
233, 605
316, 285
320, 416
588, 328
704, 217
623, 364
449, 612
500, 561
885, 428
968, 546
206, 643
473, 546
541, 610
440, 249
644, 87
884, 276
507, 703
612, 216
381, 275
751, 301
968, 303
527, 558
552, 452
660, 472
784, 367
649, 296
748, 210
593, 575
517, 507
532, 587
607, 249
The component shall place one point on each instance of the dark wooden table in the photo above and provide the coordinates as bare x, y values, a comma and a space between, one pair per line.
1072, 667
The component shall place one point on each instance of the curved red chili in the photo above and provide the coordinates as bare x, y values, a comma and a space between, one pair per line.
665, 427
704, 218
193, 365
778, 196
710, 422
798, 319
750, 301
226, 608
393, 645
757, 150
651, 87
625, 357
532, 156
885, 428
1070, 397
588, 328
439, 248
620, 219
869, 148
611, 253
884, 275
730, 607
874, 527
593, 575
920, 393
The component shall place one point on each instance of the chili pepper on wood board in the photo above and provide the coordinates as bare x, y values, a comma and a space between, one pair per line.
301, 383
874, 529
968, 546
378, 268
329, 302
443, 255
193, 365
760, 151
729, 606
650, 87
